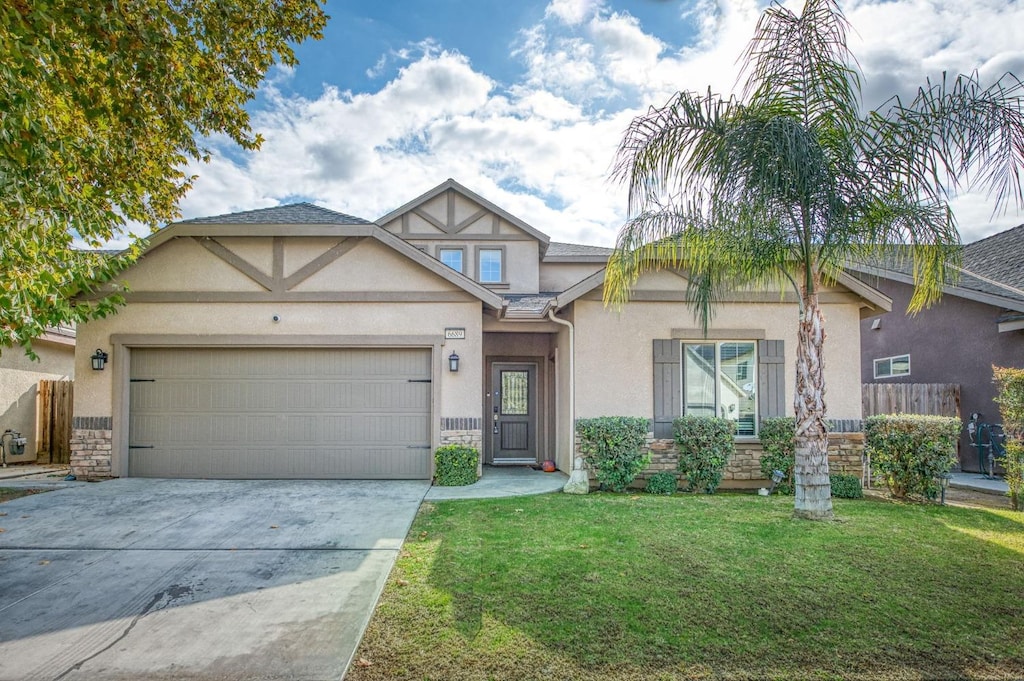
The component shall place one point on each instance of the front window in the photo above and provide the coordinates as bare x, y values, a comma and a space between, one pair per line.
719, 380
452, 257
489, 270
889, 367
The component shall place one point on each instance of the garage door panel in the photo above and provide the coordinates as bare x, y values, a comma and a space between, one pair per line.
273, 413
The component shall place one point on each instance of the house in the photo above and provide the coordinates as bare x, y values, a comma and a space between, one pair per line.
298, 342
978, 322
19, 383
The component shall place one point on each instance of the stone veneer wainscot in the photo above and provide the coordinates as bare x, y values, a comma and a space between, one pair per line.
91, 438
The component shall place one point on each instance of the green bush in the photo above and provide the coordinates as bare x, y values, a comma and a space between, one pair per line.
846, 486
705, 445
778, 442
1010, 396
909, 451
662, 483
455, 465
612, 446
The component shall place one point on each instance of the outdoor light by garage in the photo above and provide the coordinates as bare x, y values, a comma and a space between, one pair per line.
453, 362
99, 360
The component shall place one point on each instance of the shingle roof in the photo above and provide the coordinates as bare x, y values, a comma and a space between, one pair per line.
288, 214
991, 266
528, 305
560, 250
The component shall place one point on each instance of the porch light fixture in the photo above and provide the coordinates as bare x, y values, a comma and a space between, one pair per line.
453, 362
99, 360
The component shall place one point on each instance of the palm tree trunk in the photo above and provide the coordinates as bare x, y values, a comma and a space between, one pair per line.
813, 490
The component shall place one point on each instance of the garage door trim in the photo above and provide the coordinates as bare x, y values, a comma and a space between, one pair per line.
122, 345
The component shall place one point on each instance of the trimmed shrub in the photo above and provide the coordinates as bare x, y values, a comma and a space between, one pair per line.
705, 445
662, 483
455, 465
611, 445
1010, 387
846, 486
909, 451
778, 441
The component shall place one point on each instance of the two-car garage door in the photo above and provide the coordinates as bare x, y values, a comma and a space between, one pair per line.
307, 413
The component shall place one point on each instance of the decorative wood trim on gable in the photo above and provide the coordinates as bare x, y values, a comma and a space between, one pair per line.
455, 229
431, 219
233, 259
320, 262
277, 282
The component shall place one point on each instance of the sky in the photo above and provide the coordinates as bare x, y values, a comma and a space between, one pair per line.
525, 101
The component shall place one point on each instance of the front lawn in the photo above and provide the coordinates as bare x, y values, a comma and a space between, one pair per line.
642, 587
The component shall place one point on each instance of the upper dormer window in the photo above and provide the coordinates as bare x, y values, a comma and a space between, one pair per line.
453, 257
489, 265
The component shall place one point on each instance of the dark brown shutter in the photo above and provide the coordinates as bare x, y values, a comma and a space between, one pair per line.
667, 386
771, 379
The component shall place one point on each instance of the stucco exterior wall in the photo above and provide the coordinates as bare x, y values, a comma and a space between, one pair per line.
955, 341
615, 349
559, 276
19, 386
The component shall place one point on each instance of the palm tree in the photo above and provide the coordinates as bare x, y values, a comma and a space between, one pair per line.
783, 184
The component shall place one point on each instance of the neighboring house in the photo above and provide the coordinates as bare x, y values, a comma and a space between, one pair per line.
978, 322
297, 342
19, 383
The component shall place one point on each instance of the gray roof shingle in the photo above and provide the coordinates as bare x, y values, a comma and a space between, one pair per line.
289, 214
991, 266
562, 250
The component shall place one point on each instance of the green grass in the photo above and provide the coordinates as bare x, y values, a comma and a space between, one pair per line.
726, 586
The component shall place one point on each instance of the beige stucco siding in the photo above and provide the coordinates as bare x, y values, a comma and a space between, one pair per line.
183, 265
19, 385
560, 276
372, 266
379, 323
615, 349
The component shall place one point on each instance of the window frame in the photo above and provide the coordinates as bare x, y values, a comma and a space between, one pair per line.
503, 280
876, 362
460, 249
752, 378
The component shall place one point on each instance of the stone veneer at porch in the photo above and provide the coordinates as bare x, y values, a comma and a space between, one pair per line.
91, 438
845, 455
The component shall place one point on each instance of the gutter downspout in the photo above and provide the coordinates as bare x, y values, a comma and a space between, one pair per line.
579, 482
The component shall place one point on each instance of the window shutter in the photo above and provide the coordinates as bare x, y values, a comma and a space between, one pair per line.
667, 386
771, 379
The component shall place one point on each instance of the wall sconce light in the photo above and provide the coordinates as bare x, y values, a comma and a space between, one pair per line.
453, 362
99, 360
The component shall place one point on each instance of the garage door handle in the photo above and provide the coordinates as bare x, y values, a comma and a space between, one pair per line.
418, 380
141, 446
418, 447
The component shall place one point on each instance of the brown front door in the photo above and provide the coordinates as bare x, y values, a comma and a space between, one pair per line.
513, 412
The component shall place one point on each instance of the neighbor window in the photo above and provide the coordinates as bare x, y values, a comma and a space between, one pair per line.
888, 367
489, 266
719, 380
452, 257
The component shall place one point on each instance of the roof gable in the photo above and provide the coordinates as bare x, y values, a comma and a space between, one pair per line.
306, 220
448, 222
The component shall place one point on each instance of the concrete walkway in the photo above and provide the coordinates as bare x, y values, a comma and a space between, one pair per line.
977, 481
503, 481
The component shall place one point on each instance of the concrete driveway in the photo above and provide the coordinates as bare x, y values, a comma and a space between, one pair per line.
175, 579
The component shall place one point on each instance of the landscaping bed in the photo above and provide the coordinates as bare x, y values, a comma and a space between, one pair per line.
694, 586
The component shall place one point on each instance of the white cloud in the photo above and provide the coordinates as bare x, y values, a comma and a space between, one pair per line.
542, 147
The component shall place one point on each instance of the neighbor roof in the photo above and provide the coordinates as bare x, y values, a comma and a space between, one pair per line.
991, 271
291, 214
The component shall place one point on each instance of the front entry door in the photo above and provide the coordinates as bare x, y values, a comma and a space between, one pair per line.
513, 412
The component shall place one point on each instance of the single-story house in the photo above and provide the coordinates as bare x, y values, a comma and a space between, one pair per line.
19, 383
978, 322
298, 342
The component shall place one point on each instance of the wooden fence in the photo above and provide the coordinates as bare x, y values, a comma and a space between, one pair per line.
936, 399
56, 399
